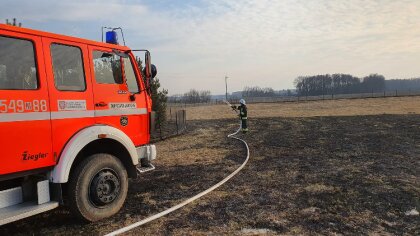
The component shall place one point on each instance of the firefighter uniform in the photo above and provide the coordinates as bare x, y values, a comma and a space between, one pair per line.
243, 115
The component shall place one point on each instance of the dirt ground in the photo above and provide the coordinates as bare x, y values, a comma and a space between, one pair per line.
321, 175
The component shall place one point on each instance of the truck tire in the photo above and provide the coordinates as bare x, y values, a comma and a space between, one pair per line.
97, 187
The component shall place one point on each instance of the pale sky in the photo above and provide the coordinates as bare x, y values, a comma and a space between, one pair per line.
264, 43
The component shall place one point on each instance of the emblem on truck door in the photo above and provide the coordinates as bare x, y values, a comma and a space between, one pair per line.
124, 120
62, 105
71, 105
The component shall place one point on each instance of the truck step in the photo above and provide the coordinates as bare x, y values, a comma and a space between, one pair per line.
23, 210
146, 169
10, 197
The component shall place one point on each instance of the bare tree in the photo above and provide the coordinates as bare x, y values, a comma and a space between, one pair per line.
258, 92
205, 96
373, 83
195, 96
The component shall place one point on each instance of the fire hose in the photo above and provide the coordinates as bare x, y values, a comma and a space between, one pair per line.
176, 207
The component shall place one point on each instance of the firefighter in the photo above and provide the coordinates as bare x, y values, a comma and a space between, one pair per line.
243, 115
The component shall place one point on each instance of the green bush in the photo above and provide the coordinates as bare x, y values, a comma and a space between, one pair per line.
159, 99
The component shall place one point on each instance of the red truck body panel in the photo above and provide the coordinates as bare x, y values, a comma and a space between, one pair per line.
37, 123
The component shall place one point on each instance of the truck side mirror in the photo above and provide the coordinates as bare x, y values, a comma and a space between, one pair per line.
148, 65
154, 71
149, 70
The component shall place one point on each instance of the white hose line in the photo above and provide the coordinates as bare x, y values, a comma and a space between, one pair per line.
176, 207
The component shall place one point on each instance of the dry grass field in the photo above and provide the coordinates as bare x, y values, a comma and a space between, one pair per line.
345, 107
318, 168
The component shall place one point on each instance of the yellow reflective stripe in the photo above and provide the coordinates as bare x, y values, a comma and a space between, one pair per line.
244, 118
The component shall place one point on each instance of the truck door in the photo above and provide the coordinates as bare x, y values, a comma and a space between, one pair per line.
71, 98
25, 125
118, 97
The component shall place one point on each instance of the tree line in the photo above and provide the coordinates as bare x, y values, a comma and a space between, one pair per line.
338, 84
310, 86
403, 84
192, 96
258, 92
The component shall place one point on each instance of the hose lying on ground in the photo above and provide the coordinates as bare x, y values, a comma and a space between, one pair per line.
176, 207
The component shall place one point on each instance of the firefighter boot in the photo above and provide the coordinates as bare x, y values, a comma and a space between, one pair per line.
244, 125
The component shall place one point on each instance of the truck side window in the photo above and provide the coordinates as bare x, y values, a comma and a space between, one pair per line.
68, 68
107, 68
130, 76
18, 69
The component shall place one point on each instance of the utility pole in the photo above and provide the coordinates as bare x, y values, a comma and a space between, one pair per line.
226, 86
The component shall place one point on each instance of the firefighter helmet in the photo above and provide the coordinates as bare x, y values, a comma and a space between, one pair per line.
242, 101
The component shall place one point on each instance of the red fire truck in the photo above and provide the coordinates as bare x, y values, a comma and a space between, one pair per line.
75, 118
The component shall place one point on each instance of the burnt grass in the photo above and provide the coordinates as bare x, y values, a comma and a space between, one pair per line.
320, 175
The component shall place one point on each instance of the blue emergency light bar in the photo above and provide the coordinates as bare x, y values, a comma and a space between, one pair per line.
111, 37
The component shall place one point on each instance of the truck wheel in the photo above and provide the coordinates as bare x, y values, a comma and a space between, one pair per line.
97, 187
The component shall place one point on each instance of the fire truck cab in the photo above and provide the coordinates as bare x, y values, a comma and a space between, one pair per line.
74, 124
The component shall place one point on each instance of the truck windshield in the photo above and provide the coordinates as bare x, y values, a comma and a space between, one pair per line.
130, 76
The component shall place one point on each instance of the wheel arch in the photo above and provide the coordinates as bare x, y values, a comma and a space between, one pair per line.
88, 141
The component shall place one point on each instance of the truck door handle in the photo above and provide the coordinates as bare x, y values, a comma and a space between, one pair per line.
101, 104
